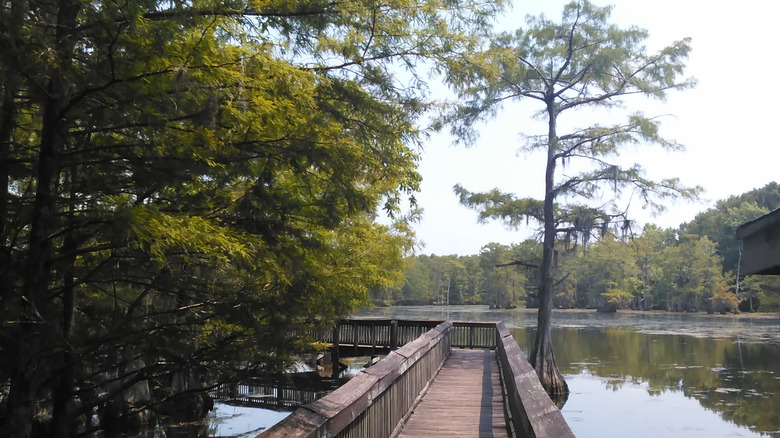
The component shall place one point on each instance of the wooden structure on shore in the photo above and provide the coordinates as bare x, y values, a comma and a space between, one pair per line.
425, 388
761, 244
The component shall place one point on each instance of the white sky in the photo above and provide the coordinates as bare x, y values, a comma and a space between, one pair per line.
726, 122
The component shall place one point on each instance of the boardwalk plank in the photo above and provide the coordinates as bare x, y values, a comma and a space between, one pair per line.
464, 400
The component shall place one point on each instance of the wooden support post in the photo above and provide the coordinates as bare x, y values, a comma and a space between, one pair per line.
393, 335
355, 329
373, 338
334, 353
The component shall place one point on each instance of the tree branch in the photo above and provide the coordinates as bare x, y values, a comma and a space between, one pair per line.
526, 263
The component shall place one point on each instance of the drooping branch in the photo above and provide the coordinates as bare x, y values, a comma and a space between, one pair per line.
503, 206
526, 263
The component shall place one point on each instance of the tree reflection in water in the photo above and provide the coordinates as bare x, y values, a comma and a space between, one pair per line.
739, 381
672, 372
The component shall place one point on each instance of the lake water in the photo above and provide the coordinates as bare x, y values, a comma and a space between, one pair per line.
652, 374
240, 422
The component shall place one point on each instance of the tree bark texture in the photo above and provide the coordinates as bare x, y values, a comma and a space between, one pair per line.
542, 356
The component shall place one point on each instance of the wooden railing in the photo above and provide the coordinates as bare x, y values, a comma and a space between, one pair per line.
530, 412
367, 334
376, 400
470, 334
285, 392
379, 334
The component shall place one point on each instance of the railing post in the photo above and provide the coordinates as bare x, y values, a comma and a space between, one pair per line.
355, 334
393, 335
334, 352
373, 338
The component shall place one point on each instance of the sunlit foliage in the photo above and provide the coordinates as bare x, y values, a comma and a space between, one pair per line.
184, 183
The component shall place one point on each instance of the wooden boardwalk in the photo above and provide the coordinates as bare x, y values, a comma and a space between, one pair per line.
464, 400
428, 387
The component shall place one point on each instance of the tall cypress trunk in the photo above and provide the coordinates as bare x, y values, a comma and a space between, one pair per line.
39, 338
7, 122
542, 356
63, 423
8, 115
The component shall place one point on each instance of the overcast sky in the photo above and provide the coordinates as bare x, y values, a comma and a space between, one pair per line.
727, 122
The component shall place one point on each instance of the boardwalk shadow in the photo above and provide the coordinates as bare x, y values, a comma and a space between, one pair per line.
486, 410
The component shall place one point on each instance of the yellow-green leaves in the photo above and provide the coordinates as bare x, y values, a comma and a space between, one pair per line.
161, 233
217, 168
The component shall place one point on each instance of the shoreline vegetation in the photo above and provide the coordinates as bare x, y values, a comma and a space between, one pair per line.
692, 268
758, 327
761, 313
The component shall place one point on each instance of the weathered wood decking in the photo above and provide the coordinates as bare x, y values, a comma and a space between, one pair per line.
464, 400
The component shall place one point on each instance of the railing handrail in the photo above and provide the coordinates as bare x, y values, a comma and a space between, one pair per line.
391, 333
530, 410
351, 403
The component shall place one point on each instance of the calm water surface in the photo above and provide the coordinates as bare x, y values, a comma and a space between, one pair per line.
239, 422
648, 374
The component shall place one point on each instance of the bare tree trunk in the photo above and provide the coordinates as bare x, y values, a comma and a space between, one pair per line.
542, 356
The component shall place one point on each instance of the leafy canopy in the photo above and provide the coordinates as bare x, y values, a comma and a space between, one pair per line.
184, 184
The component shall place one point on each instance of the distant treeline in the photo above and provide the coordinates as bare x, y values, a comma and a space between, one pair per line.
690, 268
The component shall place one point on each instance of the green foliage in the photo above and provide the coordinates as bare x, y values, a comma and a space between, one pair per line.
184, 186
504, 206
475, 279
657, 269
504, 283
607, 275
